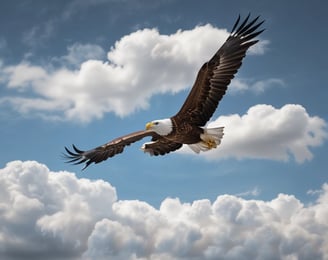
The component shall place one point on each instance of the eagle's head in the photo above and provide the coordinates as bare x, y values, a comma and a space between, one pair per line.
162, 127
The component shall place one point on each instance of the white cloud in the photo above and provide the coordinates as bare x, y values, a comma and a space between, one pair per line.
140, 65
24, 75
314, 192
54, 215
48, 212
265, 132
261, 47
239, 85
253, 192
78, 53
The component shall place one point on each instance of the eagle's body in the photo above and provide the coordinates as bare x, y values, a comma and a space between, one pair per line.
188, 125
184, 132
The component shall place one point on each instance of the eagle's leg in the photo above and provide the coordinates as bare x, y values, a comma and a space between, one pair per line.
210, 143
210, 139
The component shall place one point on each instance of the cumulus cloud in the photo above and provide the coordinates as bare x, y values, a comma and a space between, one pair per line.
54, 215
265, 132
46, 213
139, 65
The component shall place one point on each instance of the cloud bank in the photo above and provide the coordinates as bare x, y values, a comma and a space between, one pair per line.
140, 65
58, 216
265, 132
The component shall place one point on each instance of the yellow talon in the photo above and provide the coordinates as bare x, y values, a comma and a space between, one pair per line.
211, 144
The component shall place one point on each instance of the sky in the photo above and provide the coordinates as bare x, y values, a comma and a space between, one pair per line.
85, 72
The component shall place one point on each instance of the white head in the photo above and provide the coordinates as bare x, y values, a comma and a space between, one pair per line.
162, 127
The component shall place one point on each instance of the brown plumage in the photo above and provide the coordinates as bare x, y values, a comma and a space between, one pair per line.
187, 126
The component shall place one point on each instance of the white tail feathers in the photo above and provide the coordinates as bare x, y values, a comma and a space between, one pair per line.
211, 138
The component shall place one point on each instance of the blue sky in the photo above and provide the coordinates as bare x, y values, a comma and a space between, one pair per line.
85, 72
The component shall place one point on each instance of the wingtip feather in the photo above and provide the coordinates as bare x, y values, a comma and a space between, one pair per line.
245, 29
75, 157
236, 23
243, 23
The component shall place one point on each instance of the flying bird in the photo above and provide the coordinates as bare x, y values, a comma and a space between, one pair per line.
188, 125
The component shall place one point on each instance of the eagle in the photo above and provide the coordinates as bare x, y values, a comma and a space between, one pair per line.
188, 126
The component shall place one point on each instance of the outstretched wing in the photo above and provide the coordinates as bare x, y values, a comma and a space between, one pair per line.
103, 152
160, 146
215, 75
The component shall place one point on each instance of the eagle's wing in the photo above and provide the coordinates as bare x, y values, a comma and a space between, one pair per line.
160, 146
103, 152
215, 75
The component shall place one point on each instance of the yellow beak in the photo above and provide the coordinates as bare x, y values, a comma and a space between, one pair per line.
149, 125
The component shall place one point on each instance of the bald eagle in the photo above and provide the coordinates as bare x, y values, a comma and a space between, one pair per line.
188, 125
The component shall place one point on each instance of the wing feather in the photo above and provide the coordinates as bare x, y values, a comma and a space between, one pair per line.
216, 74
161, 147
103, 152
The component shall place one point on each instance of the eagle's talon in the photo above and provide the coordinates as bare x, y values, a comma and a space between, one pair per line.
211, 144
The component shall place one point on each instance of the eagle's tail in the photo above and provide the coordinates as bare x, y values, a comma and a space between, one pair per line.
211, 138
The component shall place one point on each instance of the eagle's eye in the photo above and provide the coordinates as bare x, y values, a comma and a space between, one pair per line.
156, 123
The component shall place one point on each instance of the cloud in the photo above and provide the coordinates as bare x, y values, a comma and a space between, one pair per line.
265, 132
49, 212
76, 6
24, 75
253, 192
38, 34
140, 65
261, 47
239, 85
78, 53
55, 215
314, 192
